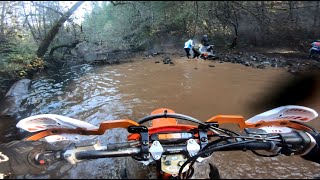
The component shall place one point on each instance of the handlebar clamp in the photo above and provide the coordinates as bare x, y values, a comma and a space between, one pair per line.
144, 140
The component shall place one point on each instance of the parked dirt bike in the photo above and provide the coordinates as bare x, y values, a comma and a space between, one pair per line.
174, 147
314, 53
207, 52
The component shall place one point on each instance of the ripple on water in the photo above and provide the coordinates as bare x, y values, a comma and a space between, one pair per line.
96, 94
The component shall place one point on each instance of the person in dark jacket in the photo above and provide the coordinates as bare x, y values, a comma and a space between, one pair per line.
196, 52
205, 40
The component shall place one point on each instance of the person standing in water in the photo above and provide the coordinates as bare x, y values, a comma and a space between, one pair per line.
188, 46
196, 52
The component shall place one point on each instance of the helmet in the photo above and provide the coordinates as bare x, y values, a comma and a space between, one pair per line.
205, 35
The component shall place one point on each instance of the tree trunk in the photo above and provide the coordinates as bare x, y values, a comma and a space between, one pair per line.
33, 23
38, 25
74, 31
73, 45
2, 18
197, 16
262, 17
235, 26
44, 22
29, 25
55, 29
291, 14
315, 19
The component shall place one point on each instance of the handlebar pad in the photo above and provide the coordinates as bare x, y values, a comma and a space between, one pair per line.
95, 154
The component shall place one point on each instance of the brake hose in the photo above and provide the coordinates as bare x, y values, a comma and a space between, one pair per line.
169, 115
194, 158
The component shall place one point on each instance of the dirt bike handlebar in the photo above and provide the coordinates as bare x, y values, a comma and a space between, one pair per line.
95, 154
297, 142
277, 131
294, 143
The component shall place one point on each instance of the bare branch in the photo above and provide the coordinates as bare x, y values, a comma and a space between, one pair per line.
73, 45
248, 10
31, 29
29, 24
286, 9
117, 3
40, 5
55, 29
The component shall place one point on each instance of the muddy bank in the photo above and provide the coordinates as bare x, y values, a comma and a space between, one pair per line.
291, 60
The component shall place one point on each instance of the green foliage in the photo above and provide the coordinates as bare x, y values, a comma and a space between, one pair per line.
135, 23
143, 22
20, 58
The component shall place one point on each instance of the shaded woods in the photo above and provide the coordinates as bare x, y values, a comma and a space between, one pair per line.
256, 23
36, 35
28, 29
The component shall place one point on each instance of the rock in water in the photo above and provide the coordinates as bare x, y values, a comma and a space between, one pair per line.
261, 66
16, 94
8, 130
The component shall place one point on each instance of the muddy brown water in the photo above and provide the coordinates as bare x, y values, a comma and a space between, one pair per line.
133, 90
